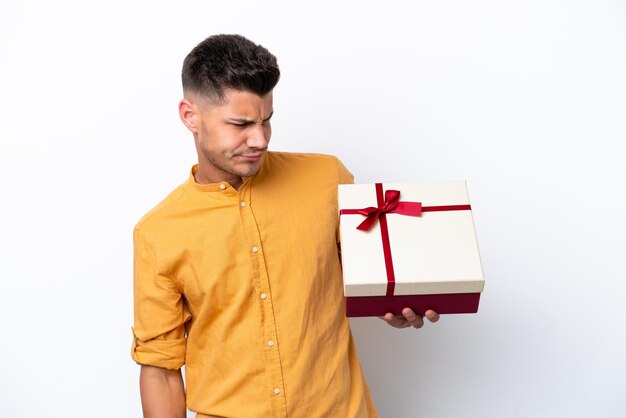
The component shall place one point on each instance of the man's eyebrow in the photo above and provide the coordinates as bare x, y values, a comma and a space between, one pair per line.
246, 120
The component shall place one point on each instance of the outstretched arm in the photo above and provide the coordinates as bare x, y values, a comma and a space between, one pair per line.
162, 393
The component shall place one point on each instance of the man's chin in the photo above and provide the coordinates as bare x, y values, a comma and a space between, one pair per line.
249, 170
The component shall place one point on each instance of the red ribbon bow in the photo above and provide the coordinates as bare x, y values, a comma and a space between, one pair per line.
391, 204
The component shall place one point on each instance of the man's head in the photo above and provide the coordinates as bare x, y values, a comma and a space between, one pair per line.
227, 84
223, 62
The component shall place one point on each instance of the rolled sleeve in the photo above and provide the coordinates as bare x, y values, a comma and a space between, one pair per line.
160, 313
167, 354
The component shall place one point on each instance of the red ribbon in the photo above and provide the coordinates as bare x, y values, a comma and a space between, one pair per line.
392, 204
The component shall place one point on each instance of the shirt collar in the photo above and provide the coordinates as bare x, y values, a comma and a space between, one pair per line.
219, 186
210, 187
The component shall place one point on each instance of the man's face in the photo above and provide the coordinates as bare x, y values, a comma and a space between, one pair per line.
232, 136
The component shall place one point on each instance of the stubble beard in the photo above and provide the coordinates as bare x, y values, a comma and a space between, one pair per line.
222, 163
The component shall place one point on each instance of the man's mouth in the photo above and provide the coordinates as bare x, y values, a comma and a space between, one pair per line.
251, 157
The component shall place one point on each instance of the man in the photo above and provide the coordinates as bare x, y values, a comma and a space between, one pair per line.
237, 271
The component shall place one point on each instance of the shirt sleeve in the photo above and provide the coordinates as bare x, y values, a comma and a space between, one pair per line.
160, 312
343, 177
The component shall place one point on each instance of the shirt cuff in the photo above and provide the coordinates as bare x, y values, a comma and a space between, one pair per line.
166, 354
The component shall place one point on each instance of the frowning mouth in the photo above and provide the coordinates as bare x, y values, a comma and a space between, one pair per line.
251, 157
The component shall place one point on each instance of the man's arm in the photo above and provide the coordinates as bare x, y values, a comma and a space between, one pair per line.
162, 393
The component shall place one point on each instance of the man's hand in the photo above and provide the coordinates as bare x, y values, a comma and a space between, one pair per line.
409, 318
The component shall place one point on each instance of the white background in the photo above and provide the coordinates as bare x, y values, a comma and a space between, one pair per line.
526, 100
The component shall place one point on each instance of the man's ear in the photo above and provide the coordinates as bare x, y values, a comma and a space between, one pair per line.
187, 112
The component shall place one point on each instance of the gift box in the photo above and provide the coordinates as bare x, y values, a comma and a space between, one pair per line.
409, 245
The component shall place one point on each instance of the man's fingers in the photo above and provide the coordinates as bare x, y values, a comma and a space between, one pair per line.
397, 321
414, 319
432, 315
409, 318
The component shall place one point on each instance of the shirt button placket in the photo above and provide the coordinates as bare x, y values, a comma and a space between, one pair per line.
272, 354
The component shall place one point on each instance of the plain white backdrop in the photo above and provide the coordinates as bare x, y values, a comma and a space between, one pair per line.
526, 100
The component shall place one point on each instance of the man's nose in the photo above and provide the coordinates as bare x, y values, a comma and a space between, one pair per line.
259, 137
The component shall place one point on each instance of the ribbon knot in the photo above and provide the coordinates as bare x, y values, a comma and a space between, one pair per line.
391, 204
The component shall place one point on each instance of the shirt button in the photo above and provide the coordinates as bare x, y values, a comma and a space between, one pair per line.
270, 343
243, 204
255, 250
263, 296
222, 186
276, 391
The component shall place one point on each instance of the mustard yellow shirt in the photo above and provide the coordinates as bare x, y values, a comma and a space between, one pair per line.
243, 287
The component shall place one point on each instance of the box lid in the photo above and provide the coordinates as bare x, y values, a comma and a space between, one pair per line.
436, 252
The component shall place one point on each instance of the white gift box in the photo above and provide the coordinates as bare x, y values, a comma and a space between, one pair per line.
422, 261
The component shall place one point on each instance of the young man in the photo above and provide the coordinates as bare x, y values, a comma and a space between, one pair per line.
237, 271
